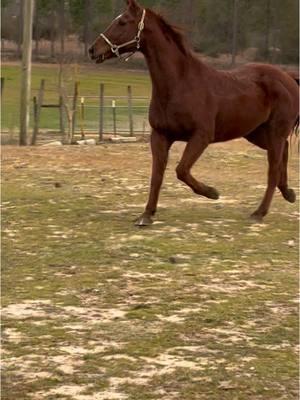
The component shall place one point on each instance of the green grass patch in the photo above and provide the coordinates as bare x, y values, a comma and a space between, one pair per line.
201, 305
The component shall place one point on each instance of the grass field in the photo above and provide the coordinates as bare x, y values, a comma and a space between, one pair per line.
90, 77
202, 305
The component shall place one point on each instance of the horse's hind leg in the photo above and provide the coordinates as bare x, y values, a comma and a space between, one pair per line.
287, 193
260, 139
275, 150
192, 152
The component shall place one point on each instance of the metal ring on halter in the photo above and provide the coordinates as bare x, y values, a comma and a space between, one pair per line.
138, 41
115, 50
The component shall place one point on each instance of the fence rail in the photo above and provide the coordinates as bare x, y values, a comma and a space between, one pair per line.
83, 115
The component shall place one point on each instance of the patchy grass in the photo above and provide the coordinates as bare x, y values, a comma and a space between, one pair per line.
202, 305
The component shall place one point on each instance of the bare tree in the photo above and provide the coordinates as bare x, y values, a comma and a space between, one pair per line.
234, 32
62, 27
26, 70
52, 30
20, 30
86, 26
268, 27
36, 30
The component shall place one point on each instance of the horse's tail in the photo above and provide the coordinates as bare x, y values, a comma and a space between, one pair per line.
296, 127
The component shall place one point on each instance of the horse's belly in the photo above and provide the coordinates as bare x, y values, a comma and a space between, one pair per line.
235, 122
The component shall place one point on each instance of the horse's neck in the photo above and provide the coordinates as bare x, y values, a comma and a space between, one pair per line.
166, 63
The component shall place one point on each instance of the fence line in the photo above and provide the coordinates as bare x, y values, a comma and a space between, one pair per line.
104, 116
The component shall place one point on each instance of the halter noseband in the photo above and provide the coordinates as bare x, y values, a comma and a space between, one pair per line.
115, 48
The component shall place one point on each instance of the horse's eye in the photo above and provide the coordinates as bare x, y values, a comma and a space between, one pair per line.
122, 22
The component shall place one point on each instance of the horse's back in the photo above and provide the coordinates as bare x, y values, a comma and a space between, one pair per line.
280, 87
250, 96
271, 78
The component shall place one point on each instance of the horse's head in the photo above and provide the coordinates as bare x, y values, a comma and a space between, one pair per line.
122, 36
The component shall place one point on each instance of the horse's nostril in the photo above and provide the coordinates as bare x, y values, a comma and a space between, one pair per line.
91, 51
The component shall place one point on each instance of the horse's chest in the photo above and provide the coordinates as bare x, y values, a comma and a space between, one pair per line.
171, 117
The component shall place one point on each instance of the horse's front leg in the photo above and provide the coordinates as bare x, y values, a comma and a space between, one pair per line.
194, 148
160, 146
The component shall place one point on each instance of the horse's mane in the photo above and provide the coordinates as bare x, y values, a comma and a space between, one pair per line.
173, 32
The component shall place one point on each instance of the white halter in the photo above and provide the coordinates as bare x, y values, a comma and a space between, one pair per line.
115, 48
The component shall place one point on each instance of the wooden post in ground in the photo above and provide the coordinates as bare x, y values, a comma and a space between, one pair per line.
101, 112
2, 84
61, 117
82, 116
113, 105
26, 70
130, 110
35, 120
74, 109
38, 102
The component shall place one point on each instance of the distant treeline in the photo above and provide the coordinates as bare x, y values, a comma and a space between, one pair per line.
267, 28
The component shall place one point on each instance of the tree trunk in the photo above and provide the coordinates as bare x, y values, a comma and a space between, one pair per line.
86, 26
37, 33
268, 26
234, 32
52, 32
26, 71
20, 33
62, 28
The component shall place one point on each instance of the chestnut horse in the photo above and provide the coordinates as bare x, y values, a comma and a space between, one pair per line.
194, 103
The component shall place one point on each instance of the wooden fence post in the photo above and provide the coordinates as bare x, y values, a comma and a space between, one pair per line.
37, 103
61, 117
113, 105
101, 112
130, 110
2, 84
74, 105
82, 117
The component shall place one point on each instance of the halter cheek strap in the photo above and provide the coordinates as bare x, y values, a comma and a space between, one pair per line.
116, 47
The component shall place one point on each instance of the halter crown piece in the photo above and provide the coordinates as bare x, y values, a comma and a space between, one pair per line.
116, 47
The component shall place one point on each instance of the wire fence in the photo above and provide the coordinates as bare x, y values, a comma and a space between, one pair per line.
114, 115
118, 117
68, 115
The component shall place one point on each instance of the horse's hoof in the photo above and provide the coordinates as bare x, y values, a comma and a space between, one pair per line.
144, 220
289, 195
256, 217
212, 193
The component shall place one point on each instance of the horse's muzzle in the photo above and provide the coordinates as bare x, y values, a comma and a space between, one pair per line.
99, 56
91, 51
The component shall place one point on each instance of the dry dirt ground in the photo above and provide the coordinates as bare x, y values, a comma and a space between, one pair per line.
201, 305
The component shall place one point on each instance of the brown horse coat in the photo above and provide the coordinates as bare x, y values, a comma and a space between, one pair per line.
198, 104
